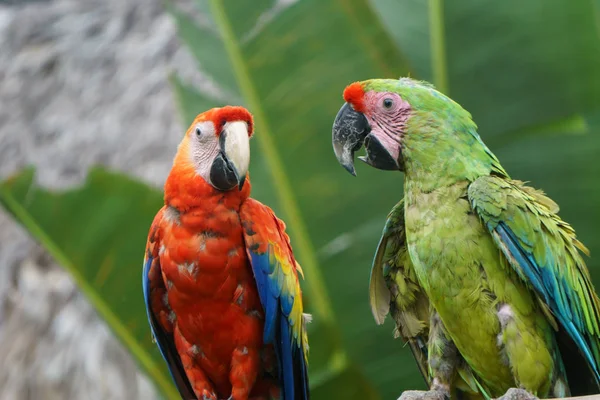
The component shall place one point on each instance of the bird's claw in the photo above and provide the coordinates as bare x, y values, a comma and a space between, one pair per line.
517, 394
424, 395
207, 395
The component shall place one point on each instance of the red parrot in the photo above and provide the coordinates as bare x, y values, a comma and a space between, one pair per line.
220, 280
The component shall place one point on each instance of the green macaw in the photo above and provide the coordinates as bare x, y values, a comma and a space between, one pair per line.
483, 279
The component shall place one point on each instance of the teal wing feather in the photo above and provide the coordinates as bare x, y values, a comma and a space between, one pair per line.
544, 252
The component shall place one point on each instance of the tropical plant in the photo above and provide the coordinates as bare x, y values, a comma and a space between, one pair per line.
527, 71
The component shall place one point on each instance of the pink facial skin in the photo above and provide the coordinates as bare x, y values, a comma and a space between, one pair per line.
388, 122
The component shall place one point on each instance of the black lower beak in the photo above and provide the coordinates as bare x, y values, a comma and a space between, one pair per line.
223, 174
350, 129
378, 156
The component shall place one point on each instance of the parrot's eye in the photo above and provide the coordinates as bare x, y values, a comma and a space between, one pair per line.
198, 132
388, 103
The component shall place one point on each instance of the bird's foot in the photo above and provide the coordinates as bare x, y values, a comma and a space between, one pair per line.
424, 395
517, 394
207, 395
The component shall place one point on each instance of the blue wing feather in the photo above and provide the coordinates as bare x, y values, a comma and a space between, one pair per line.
278, 305
524, 224
287, 360
277, 326
536, 276
268, 300
165, 342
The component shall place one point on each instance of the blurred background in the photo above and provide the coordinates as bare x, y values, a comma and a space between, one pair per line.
96, 94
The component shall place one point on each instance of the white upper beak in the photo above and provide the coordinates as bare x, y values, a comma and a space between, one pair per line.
237, 146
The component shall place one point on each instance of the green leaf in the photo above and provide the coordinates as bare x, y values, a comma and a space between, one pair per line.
573, 125
522, 69
512, 64
98, 233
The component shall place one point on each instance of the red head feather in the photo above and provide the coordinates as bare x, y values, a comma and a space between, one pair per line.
354, 94
184, 187
225, 114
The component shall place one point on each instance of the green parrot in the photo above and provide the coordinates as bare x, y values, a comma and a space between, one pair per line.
483, 279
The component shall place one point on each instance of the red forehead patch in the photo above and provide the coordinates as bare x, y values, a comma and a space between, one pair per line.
354, 94
234, 113
225, 114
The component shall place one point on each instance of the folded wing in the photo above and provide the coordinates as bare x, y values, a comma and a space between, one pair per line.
543, 250
276, 273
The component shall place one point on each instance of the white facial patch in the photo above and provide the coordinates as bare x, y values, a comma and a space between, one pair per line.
237, 145
204, 147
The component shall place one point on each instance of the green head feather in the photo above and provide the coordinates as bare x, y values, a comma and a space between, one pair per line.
426, 134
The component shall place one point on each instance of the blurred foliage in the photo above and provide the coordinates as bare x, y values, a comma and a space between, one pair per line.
528, 72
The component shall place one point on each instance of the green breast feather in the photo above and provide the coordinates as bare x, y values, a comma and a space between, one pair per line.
393, 288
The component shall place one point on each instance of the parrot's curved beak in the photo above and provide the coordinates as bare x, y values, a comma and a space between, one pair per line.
351, 130
230, 167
